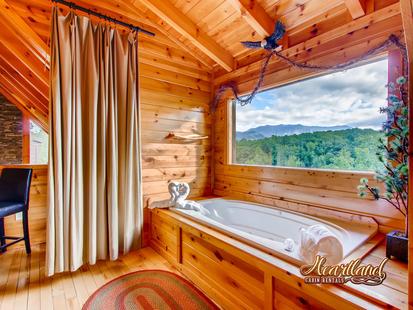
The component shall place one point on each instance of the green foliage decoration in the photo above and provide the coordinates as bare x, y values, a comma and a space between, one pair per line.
393, 152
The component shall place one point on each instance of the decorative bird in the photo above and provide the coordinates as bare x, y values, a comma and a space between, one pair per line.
270, 42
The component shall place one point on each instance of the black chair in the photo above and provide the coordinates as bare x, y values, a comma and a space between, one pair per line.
14, 198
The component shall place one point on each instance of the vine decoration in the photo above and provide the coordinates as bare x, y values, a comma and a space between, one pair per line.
392, 40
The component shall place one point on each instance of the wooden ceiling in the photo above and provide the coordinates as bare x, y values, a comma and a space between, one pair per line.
202, 36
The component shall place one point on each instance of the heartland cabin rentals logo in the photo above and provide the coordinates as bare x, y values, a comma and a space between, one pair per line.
353, 271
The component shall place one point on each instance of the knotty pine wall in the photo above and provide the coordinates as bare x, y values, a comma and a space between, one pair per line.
311, 191
175, 96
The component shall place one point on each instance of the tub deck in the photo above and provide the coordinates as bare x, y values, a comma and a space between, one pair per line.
275, 272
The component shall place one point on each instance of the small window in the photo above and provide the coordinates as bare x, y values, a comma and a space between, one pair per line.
38, 145
331, 121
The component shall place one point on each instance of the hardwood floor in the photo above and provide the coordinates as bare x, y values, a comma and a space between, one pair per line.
23, 284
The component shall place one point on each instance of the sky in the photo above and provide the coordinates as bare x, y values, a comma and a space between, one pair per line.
352, 98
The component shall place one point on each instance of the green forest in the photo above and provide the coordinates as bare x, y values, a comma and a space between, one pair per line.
350, 149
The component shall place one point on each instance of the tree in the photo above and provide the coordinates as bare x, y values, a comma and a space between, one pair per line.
352, 149
274, 155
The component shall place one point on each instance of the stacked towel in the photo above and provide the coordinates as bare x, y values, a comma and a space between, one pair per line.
319, 240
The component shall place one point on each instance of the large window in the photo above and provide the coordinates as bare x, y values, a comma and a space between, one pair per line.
332, 122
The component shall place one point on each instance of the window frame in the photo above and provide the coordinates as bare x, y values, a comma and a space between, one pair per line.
231, 119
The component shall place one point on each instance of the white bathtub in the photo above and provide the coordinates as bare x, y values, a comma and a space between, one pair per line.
267, 228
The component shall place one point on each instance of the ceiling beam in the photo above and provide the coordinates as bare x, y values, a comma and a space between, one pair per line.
23, 71
10, 39
130, 13
165, 10
25, 33
309, 12
30, 93
151, 18
27, 97
357, 8
255, 15
21, 103
329, 36
44, 97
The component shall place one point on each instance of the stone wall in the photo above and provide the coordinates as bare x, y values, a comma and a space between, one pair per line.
11, 133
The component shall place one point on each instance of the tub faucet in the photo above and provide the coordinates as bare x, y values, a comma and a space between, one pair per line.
289, 244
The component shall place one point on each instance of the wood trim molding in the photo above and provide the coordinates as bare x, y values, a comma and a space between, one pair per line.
26, 139
406, 8
407, 20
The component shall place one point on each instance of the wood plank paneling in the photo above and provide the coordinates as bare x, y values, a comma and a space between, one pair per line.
303, 190
311, 191
240, 276
174, 98
406, 7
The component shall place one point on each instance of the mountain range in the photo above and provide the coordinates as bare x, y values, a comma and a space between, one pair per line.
283, 130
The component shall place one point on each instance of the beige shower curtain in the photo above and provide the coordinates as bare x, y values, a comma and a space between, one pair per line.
95, 207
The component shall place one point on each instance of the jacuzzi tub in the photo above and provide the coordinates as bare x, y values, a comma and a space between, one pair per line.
268, 227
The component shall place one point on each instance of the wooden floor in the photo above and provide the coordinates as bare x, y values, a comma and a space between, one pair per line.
23, 284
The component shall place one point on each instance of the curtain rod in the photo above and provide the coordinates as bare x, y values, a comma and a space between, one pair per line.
105, 17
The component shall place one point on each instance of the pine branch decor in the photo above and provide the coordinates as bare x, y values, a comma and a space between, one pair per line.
393, 152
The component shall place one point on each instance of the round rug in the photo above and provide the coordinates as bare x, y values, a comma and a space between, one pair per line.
148, 289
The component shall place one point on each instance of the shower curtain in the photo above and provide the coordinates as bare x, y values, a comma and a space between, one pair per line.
95, 198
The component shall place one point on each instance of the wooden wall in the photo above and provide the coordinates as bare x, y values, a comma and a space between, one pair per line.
312, 191
174, 98
175, 89
237, 276
175, 95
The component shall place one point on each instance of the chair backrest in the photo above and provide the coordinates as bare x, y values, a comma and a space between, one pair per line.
15, 185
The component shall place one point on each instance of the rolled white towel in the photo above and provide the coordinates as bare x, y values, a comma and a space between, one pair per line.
319, 240
191, 205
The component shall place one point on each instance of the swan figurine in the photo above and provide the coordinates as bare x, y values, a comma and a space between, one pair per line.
179, 191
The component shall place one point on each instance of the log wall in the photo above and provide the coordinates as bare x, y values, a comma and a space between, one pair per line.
175, 95
173, 100
312, 191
